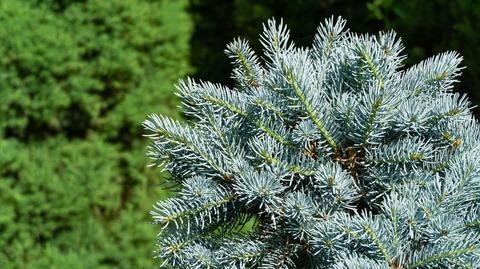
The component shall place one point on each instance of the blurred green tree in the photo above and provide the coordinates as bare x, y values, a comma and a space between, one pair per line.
76, 78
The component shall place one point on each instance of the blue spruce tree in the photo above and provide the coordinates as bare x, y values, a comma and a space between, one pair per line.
343, 159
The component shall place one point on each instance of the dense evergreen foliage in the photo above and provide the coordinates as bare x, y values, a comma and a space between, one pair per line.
76, 78
343, 158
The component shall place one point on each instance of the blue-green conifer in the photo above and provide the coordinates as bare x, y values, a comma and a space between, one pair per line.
343, 158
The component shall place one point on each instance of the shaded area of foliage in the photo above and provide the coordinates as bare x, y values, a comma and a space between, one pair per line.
434, 26
76, 79
427, 28
216, 24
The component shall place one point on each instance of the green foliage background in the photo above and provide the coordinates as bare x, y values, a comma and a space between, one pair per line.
76, 80
77, 77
